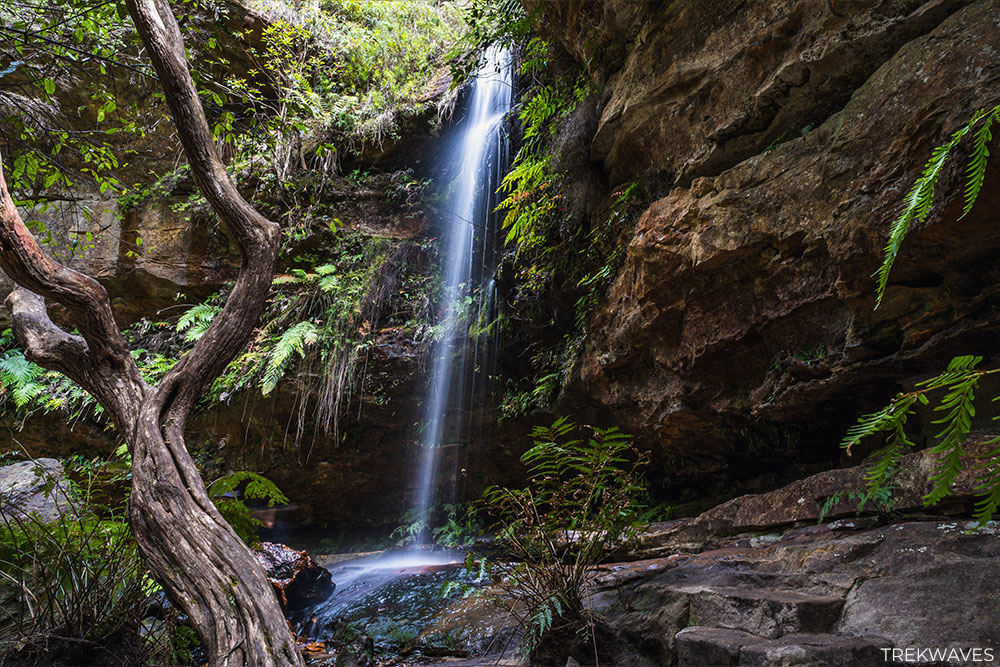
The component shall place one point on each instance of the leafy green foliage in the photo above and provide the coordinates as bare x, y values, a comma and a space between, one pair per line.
581, 504
52, 41
19, 378
294, 340
346, 71
881, 498
503, 23
918, 203
529, 183
461, 526
74, 590
956, 409
196, 320
229, 492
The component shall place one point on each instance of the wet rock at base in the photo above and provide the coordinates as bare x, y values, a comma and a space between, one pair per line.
298, 580
36, 488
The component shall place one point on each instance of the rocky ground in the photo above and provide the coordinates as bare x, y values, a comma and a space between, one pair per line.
758, 581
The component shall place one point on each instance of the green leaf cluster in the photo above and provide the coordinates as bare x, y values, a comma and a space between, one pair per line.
196, 320
502, 23
530, 197
582, 503
229, 492
19, 378
955, 410
920, 199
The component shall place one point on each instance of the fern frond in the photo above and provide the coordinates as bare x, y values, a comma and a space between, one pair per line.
196, 320
19, 377
888, 418
257, 487
988, 486
921, 197
295, 339
918, 205
959, 408
976, 171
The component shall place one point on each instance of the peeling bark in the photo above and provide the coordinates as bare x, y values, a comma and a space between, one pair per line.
204, 567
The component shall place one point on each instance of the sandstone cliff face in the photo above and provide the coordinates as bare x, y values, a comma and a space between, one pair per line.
791, 131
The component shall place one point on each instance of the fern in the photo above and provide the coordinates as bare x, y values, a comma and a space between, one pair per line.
976, 171
529, 182
295, 339
957, 409
920, 199
196, 320
223, 493
19, 377
958, 406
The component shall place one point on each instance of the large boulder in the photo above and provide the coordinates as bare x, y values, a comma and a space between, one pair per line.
35, 489
298, 580
743, 317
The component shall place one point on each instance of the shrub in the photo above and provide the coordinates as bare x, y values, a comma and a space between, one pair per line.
581, 504
73, 584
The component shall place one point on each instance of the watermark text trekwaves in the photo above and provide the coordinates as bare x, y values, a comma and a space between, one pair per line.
918, 655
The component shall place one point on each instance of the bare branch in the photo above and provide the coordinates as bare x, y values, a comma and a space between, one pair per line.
44, 342
84, 298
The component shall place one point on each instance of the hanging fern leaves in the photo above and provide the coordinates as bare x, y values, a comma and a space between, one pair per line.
957, 409
295, 339
920, 199
528, 185
989, 485
886, 419
976, 171
196, 320
918, 205
958, 406
225, 494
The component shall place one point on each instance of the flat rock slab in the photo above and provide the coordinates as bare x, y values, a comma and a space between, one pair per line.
699, 645
809, 595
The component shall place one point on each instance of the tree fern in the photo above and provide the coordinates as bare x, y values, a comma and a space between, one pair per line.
295, 339
918, 202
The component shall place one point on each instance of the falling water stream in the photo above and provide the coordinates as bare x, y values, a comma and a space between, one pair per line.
466, 232
399, 589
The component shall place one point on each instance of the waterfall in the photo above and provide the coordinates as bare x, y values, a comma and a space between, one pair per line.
477, 158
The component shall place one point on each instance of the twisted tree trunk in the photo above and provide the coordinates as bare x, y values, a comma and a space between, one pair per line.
204, 567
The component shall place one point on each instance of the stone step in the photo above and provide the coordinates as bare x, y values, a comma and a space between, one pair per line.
700, 646
764, 612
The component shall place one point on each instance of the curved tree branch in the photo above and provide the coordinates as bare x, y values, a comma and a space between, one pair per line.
99, 360
257, 238
84, 298
44, 342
